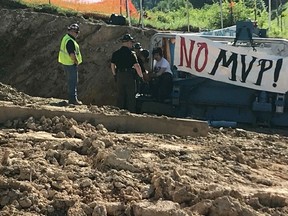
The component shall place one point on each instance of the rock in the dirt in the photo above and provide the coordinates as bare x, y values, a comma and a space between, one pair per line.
106, 159
4, 200
147, 191
99, 210
26, 173
101, 127
163, 186
114, 208
160, 208
76, 132
60, 134
85, 183
108, 142
76, 210
73, 158
183, 194
272, 200
202, 208
25, 202
5, 158
98, 144
228, 206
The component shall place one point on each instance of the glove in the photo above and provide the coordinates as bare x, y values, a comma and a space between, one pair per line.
115, 78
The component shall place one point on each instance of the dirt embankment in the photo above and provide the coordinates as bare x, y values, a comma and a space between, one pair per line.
30, 43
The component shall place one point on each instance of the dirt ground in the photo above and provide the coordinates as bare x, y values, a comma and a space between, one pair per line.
58, 166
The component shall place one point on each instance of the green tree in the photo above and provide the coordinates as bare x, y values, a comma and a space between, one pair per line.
171, 5
150, 4
147, 4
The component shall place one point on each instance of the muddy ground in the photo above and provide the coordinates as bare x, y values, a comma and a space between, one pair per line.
58, 166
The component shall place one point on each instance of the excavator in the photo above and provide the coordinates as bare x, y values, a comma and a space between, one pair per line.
227, 77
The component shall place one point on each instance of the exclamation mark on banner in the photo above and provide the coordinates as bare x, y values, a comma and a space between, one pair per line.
277, 71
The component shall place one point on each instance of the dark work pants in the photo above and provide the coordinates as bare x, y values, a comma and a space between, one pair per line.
126, 87
72, 78
165, 86
162, 86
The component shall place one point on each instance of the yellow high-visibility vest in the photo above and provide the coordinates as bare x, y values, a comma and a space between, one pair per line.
64, 57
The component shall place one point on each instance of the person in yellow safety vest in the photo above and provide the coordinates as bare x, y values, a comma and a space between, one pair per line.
70, 57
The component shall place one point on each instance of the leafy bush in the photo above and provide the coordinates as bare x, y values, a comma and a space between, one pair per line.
206, 18
46, 8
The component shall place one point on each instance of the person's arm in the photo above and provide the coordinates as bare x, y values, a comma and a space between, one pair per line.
160, 72
136, 65
113, 69
70, 46
74, 59
138, 70
113, 63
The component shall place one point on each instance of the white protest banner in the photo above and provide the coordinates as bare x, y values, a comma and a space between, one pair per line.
235, 65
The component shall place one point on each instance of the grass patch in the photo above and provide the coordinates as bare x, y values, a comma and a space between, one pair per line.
51, 9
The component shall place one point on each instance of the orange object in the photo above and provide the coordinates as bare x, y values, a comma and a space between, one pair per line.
232, 4
96, 6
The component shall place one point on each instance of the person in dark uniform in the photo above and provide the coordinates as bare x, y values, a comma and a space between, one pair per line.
143, 60
123, 65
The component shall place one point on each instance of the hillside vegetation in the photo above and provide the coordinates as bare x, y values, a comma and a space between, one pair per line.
208, 17
178, 14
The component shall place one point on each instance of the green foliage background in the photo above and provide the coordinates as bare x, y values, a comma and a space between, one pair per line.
177, 14
199, 15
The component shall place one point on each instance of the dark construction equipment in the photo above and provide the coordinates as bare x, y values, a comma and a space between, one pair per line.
233, 99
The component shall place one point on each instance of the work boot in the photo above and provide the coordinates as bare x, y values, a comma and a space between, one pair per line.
76, 102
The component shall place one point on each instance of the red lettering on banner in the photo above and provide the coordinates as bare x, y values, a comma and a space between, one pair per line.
201, 47
184, 50
188, 56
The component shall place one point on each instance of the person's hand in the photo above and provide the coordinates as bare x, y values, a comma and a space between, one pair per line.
76, 62
146, 77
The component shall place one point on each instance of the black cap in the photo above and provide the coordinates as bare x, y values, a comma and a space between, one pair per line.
145, 53
138, 46
127, 37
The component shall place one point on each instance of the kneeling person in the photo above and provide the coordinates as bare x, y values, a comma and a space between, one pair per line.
163, 74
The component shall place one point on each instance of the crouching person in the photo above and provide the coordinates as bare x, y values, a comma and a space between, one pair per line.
162, 76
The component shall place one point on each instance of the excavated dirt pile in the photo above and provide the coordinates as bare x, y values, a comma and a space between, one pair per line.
58, 166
